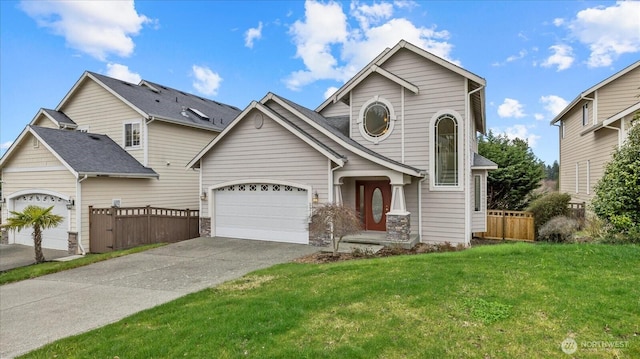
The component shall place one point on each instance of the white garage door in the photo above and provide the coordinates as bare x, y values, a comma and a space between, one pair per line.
54, 238
269, 212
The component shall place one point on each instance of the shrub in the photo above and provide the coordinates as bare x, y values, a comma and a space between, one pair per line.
558, 229
549, 206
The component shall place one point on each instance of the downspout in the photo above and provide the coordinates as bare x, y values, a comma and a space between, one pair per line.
619, 133
467, 173
146, 140
332, 181
79, 213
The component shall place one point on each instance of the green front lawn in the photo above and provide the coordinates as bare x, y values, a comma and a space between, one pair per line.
504, 301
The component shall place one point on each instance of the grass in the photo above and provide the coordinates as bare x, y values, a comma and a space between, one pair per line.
505, 301
37, 270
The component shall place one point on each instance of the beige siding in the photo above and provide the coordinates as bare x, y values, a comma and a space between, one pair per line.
618, 95
34, 169
479, 218
377, 85
595, 147
44, 121
336, 109
103, 113
440, 89
443, 216
270, 152
411, 199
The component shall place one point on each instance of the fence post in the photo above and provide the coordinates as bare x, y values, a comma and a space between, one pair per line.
188, 236
147, 236
503, 224
114, 229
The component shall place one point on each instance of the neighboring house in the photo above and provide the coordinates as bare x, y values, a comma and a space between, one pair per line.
397, 143
108, 143
592, 126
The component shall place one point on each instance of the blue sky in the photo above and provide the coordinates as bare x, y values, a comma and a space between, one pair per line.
535, 55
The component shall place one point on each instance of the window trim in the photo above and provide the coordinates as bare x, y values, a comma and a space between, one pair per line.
360, 119
432, 153
124, 135
477, 193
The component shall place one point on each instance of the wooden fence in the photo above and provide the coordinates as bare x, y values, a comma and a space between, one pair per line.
509, 225
121, 228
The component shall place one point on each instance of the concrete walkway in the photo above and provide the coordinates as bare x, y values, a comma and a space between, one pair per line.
18, 255
41, 310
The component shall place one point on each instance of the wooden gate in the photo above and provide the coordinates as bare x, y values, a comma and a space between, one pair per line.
121, 228
509, 225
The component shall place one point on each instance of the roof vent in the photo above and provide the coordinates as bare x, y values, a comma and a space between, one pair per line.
199, 113
184, 112
94, 137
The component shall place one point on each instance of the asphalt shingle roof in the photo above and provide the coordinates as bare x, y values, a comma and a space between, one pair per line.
325, 123
89, 153
480, 161
170, 104
58, 116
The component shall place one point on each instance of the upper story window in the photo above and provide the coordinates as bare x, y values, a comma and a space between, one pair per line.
376, 119
585, 114
446, 151
132, 135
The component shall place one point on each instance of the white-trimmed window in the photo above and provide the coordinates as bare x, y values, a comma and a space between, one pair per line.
376, 119
132, 135
585, 114
446, 151
477, 193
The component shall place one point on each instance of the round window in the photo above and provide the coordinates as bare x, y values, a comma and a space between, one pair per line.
376, 119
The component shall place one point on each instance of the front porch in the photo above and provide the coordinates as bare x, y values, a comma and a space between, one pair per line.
379, 238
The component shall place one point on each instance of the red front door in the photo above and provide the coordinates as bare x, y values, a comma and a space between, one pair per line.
373, 199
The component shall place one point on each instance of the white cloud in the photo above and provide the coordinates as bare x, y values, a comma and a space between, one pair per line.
558, 21
97, 28
554, 104
253, 34
5, 145
511, 108
538, 116
608, 31
123, 73
562, 57
206, 81
522, 132
368, 14
331, 48
521, 54
330, 91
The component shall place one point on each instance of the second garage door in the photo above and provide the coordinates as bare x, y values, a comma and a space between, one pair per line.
270, 212
54, 238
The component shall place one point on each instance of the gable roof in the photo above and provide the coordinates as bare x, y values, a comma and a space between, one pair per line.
594, 88
482, 163
58, 118
290, 126
321, 123
90, 154
476, 82
159, 102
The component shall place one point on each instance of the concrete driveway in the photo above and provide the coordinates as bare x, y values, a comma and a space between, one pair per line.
17, 255
41, 310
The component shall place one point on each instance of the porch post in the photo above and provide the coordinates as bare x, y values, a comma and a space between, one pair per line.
398, 203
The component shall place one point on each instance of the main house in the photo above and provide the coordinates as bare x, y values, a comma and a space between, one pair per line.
397, 143
108, 143
592, 126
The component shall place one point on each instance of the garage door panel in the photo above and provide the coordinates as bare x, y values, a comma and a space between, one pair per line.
272, 215
52, 238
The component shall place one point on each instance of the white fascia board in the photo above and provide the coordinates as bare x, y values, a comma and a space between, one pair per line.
118, 175
111, 91
621, 114
54, 153
339, 140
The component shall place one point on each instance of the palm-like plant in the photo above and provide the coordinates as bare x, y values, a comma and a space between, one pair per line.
38, 218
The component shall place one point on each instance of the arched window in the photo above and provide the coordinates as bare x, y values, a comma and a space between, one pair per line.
446, 151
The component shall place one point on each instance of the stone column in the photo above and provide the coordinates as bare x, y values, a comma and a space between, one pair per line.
337, 193
72, 243
4, 236
205, 227
398, 227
